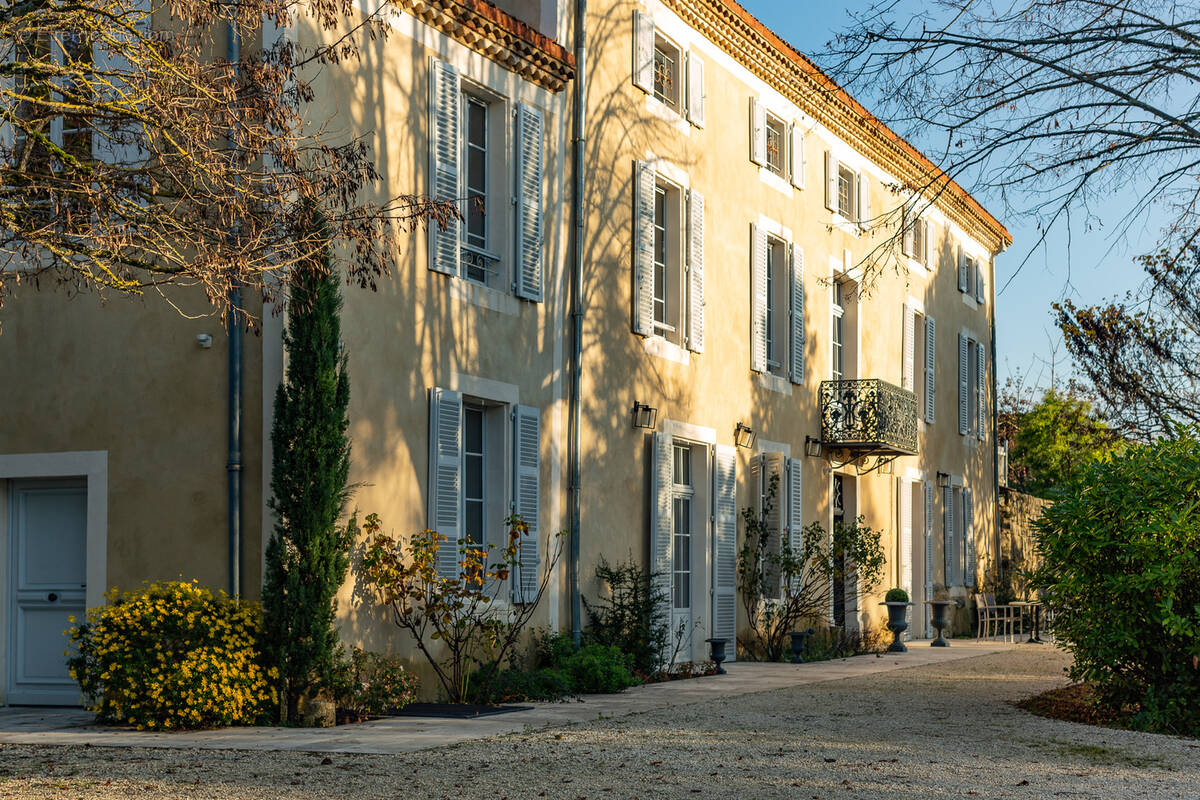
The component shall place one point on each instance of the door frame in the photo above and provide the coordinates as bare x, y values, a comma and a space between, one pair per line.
92, 467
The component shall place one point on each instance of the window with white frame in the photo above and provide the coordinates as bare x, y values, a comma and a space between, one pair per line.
847, 182
778, 292
668, 74
776, 303
683, 496
972, 387
497, 242
776, 144
837, 355
847, 191
668, 264
661, 68
917, 240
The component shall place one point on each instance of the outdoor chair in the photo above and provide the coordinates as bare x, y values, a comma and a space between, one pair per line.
994, 620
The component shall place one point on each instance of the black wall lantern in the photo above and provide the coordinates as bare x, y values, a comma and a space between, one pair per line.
744, 436
812, 446
943, 479
644, 416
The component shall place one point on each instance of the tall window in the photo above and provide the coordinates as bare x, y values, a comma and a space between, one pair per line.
669, 281
474, 475
920, 234
668, 77
772, 275
479, 259
972, 384
58, 51
778, 303
776, 144
681, 544
846, 183
838, 356
660, 257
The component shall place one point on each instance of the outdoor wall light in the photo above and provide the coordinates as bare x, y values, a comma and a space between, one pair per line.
943, 479
744, 436
812, 446
644, 416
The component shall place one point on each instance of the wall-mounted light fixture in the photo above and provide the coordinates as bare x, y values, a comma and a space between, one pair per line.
812, 446
204, 340
644, 416
943, 480
744, 435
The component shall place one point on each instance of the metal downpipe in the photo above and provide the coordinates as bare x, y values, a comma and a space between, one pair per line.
573, 436
233, 463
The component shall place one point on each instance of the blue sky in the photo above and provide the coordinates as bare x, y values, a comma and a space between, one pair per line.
1085, 266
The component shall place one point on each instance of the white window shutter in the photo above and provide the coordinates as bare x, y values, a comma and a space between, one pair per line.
927, 238
643, 51
695, 334
863, 196
795, 513
981, 390
968, 532
758, 299
908, 364
445, 475
930, 369
904, 559
980, 290
963, 377
906, 239
529, 202
797, 327
962, 269
758, 132
928, 514
643, 253
445, 98
772, 465
696, 94
526, 493
725, 537
951, 540
661, 524
798, 162
831, 181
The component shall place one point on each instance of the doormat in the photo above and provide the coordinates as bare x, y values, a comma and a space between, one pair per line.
454, 710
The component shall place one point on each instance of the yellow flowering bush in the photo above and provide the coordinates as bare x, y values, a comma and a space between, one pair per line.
172, 655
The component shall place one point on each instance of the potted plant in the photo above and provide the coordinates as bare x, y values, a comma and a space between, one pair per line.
939, 608
897, 604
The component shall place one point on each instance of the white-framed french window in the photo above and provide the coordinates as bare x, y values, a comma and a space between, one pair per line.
837, 338
671, 75
847, 192
776, 305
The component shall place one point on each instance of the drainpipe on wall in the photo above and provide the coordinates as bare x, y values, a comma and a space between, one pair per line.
573, 434
233, 464
995, 433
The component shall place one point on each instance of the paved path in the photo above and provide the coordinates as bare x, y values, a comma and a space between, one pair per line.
407, 734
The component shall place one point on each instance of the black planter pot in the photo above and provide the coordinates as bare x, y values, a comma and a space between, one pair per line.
717, 652
799, 642
897, 624
940, 620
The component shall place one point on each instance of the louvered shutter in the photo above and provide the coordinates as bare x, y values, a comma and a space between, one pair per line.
725, 537
529, 202
962, 269
695, 336
758, 132
445, 468
930, 369
927, 238
643, 252
797, 327
643, 51
980, 290
771, 465
795, 514
798, 161
908, 368
968, 532
963, 373
981, 391
907, 236
863, 196
951, 540
526, 495
904, 559
758, 299
661, 525
928, 514
831, 181
696, 92
444, 104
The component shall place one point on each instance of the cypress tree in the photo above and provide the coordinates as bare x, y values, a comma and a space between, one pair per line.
308, 554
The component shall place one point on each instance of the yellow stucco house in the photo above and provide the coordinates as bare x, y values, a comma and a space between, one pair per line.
694, 237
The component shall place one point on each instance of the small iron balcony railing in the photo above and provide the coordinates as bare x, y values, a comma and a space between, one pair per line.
870, 415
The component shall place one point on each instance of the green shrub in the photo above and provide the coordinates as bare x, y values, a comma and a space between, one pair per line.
171, 655
1120, 554
554, 669
896, 596
631, 617
515, 685
599, 669
368, 684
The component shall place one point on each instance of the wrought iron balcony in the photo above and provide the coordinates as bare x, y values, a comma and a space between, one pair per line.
868, 416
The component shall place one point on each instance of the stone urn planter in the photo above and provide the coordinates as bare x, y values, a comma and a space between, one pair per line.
799, 642
717, 652
897, 624
938, 617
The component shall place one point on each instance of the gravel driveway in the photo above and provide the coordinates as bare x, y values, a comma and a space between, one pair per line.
929, 732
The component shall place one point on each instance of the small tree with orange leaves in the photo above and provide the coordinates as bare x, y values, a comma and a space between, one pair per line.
466, 614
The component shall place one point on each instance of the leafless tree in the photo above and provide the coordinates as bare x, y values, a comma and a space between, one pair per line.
1046, 105
135, 155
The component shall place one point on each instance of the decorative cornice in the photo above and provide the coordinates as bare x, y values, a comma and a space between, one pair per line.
499, 36
793, 75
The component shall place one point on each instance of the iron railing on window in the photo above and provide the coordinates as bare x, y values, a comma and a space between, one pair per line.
868, 414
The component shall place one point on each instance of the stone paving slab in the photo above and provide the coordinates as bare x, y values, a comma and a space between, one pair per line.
53, 726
